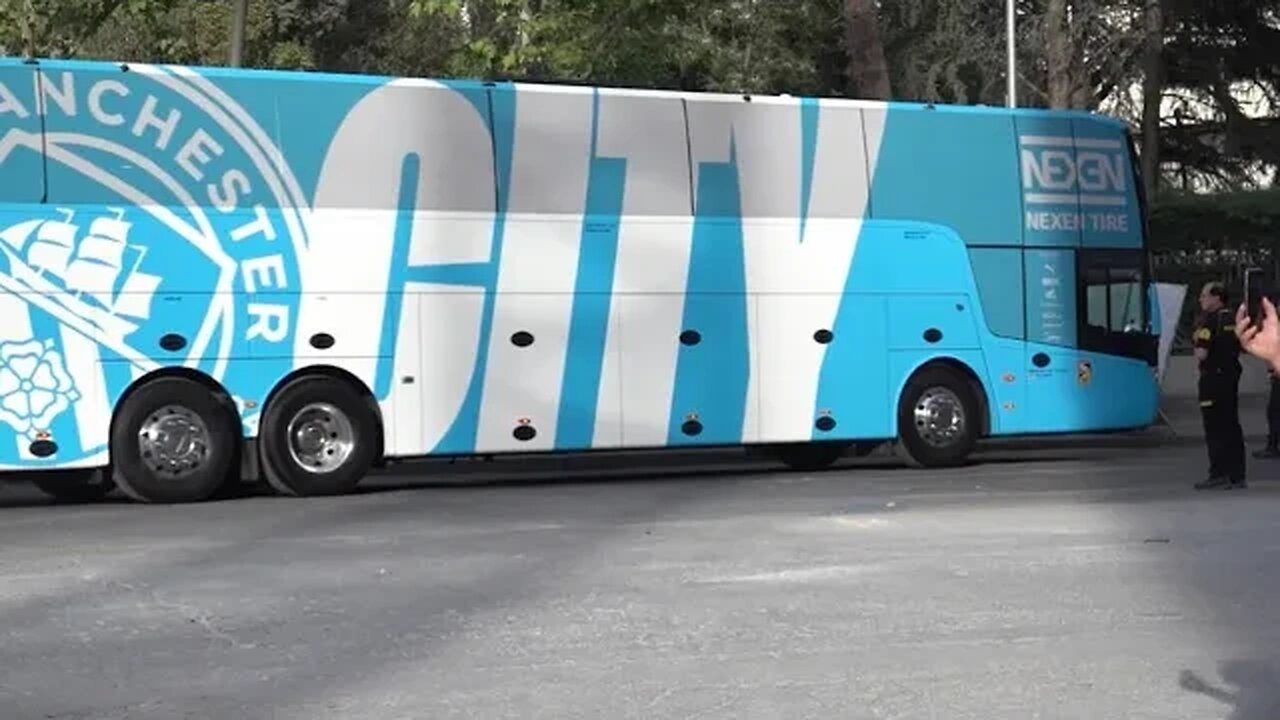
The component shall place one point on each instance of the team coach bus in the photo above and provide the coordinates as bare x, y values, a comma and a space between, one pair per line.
213, 274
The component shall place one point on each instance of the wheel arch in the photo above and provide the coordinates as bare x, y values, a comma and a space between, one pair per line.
343, 376
960, 368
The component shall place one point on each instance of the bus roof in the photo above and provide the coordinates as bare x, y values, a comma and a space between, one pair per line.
213, 71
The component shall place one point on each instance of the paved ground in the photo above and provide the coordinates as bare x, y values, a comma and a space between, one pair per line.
1048, 584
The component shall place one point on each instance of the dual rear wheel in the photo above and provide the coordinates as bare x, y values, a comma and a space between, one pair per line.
175, 440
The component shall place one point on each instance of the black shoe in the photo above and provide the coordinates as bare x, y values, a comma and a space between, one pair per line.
1240, 484
1214, 483
1267, 453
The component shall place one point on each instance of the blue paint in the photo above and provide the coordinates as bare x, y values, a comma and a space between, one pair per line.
461, 437
1107, 173
1051, 297
593, 290
810, 112
410, 171
23, 178
998, 275
712, 376
958, 170
853, 385
46, 331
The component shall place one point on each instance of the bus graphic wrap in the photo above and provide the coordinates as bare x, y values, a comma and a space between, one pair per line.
603, 268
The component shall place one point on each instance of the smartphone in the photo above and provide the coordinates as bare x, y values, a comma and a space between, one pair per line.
1253, 292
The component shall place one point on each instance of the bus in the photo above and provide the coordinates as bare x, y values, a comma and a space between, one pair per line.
216, 275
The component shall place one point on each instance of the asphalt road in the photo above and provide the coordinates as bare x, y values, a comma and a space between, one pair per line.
1047, 584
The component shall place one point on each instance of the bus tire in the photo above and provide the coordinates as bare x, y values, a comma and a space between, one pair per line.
78, 486
317, 438
172, 441
811, 456
938, 418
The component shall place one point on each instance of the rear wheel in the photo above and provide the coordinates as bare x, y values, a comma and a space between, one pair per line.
317, 437
938, 418
74, 486
172, 441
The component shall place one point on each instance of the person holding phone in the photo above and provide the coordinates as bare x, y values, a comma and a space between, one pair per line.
1217, 350
1260, 336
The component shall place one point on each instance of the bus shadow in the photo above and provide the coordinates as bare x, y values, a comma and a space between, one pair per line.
427, 475
573, 470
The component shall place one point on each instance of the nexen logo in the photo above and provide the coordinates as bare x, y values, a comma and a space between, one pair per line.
1067, 171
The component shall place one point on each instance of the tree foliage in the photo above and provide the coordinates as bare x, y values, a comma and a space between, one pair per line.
1211, 70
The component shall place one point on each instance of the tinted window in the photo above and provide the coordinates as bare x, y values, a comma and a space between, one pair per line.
1114, 299
1112, 304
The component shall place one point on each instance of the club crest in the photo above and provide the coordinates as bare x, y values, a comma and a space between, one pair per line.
170, 234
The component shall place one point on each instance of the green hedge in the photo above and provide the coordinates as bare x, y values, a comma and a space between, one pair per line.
1196, 238
1238, 220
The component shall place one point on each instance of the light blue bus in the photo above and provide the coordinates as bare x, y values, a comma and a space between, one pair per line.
215, 274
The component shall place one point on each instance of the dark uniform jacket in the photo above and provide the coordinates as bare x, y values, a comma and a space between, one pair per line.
1220, 369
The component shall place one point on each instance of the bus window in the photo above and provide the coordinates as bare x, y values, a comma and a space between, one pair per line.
1113, 312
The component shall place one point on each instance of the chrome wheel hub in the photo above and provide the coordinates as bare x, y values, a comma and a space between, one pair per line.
939, 417
321, 438
173, 441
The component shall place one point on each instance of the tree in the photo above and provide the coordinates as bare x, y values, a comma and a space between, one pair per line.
1152, 95
868, 73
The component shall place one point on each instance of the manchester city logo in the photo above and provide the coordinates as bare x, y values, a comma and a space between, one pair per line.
170, 234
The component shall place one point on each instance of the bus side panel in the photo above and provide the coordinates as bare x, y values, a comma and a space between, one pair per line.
21, 161
950, 167
804, 179
936, 291
181, 219
637, 229
400, 250
1046, 153
47, 378
853, 388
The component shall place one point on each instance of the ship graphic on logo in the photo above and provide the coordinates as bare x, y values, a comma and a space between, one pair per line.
93, 275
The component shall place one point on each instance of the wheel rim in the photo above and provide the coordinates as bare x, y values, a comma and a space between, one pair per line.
174, 441
940, 417
321, 438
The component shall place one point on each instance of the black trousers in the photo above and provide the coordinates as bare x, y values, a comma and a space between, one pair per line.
1220, 410
1273, 416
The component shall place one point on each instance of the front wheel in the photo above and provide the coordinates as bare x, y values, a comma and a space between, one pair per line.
317, 437
937, 419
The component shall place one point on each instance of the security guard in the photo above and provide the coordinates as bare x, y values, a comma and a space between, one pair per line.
1218, 351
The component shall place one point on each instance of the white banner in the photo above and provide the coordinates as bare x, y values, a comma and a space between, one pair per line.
1170, 297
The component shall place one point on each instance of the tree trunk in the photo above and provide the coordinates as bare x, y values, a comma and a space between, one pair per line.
1059, 54
868, 71
1152, 95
